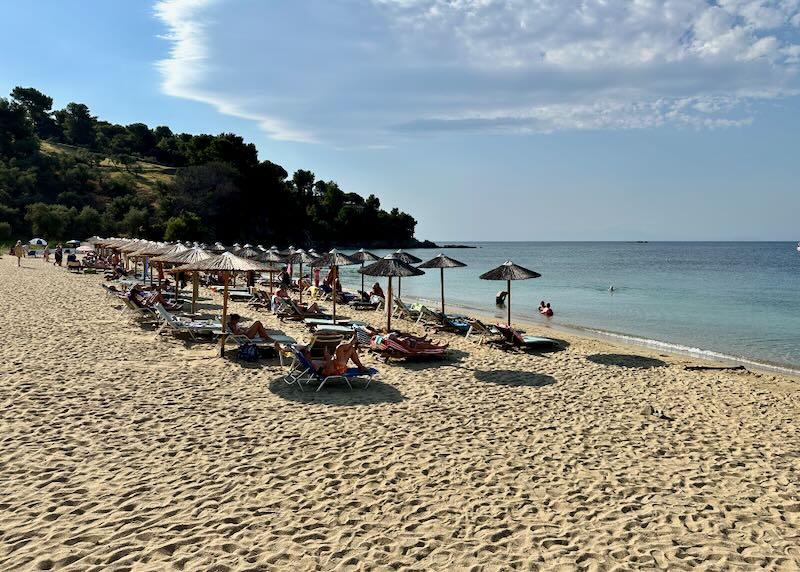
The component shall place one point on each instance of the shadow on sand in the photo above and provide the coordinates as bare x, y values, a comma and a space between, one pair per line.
422, 362
336, 392
626, 360
514, 378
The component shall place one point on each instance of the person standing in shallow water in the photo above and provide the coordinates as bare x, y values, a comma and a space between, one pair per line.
18, 252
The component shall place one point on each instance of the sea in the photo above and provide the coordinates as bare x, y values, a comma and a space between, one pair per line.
735, 302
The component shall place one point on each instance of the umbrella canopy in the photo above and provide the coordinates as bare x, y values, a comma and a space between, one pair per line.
84, 249
226, 263
406, 257
389, 266
37, 241
509, 271
94, 239
334, 259
364, 256
73, 242
185, 256
218, 248
441, 262
131, 246
150, 249
300, 256
249, 252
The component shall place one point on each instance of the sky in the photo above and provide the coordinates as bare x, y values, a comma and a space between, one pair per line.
484, 119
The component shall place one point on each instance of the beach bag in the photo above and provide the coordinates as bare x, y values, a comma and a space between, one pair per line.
247, 352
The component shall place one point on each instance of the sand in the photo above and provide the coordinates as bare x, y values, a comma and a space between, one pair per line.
123, 451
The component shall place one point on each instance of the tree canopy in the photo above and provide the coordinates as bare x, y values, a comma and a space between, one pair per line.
66, 174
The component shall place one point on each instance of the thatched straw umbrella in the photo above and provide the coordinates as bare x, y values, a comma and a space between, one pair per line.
176, 248
364, 256
389, 266
441, 262
147, 251
272, 257
301, 257
180, 258
249, 252
408, 259
334, 259
509, 271
217, 248
226, 263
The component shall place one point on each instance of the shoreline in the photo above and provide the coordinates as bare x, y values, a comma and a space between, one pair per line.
620, 339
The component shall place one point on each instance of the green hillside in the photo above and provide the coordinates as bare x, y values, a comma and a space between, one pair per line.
65, 173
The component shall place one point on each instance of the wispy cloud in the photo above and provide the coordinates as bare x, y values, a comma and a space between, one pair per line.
370, 71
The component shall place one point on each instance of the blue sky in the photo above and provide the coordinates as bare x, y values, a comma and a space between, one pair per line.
485, 119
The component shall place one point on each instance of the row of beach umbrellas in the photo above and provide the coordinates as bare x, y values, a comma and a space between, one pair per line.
247, 258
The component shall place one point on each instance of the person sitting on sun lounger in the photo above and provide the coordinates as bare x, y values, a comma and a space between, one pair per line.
377, 291
336, 364
255, 329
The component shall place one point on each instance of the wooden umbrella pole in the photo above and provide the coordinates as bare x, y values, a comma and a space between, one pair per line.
299, 283
335, 279
362, 277
389, 308
442, 274
224, 314
509, 303
195, 289
399, 286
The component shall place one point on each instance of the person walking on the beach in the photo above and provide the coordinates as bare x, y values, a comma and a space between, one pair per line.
59, 255
46, 253
18, 252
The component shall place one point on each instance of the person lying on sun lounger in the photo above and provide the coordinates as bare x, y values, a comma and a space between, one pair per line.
336, 364
255, 329
149, 298
283, 294
405, 338
415, 342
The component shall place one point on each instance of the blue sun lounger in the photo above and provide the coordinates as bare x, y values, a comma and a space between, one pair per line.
303, 371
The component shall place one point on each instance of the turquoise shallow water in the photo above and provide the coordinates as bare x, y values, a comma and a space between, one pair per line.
714, 299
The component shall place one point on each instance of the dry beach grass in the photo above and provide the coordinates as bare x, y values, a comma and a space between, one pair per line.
121, 451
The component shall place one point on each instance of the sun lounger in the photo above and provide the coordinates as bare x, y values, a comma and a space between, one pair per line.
133, 310
291, 311
403, 310
481, 333
180, 325
75, 266
390, 346
516, 338
303, 371
346, 331
260, 299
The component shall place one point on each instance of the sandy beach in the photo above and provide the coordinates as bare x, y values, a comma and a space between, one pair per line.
123, 450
